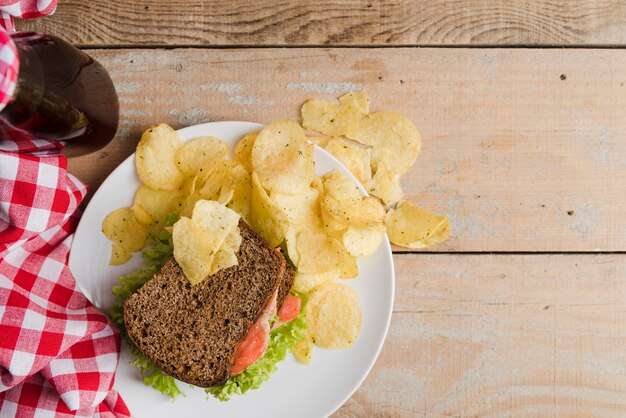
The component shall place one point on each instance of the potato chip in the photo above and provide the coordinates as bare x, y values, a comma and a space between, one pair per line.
305, 282
213, 183
243, 150
216, 174
303, 349
193, 250
226, 193
414, 227
119, 255
123, 229
367, 212
330, 225
335, 119
157, 204
291, 239
359, 100
200, 154
207, 242
371, 214
265, 217
155, 158
394, 139
349, 267
188, 196
232, 242
216, 219
385, 184
226, 256
343, 202
282, 158
302, 209
340, 187
141, 215
322, 116
223, 181
355, 157
319, 253
333, 316
361, 242
220, 188
240, 201
224, 259
318, 184
336, 213
239, 172
320, 141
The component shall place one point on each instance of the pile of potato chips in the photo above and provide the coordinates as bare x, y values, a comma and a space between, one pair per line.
322, 223
208, 241
378, 148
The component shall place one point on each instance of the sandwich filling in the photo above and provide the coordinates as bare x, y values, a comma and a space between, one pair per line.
289, 311
254, 345
252, 348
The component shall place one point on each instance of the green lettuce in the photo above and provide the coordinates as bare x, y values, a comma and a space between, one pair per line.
282, 340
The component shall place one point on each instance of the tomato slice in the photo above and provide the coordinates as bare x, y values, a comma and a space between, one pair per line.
290, 309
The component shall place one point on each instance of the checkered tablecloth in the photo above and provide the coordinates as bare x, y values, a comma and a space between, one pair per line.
26, 9
58, 354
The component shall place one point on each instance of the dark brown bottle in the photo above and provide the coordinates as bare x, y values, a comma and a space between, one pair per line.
62, 94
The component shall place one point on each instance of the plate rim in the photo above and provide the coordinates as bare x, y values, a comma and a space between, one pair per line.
255, 126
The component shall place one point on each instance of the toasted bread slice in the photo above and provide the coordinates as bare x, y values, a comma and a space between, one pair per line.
190, 332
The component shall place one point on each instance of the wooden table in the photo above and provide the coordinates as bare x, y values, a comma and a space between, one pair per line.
522, 110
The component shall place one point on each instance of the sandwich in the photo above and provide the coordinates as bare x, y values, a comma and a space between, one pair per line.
207, 334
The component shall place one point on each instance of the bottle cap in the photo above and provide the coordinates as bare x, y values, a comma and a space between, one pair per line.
9, 68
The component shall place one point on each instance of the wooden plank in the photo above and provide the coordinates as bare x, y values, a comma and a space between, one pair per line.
335, 22
524, 150
499, 336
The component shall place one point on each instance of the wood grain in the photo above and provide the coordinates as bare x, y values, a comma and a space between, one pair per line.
335, 22
524, 150
501, 336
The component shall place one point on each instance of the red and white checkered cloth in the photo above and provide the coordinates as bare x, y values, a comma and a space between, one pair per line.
58, 353
25, 9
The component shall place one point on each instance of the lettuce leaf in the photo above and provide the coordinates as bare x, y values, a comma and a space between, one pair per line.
282, 340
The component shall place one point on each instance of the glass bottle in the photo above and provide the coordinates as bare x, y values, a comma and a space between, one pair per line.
61, 94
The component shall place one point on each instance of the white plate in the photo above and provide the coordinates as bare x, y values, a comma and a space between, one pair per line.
294, 390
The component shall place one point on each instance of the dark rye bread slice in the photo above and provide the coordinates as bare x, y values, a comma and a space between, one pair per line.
191, 332
287, 279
